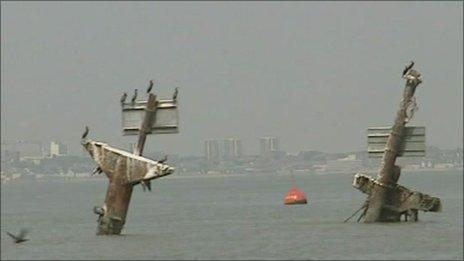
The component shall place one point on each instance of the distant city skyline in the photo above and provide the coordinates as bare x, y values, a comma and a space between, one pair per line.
225, 148
314, 74
214, 146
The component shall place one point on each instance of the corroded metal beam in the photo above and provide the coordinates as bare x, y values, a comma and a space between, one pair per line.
146, 124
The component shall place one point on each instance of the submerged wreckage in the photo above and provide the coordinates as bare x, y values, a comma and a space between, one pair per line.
124, 169
387, 201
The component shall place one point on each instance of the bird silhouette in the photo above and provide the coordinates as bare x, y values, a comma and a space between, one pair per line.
174, 96
99, 211
150, 86
408, 67
134, 97
123, 98
86, 132
146, 184
20, 237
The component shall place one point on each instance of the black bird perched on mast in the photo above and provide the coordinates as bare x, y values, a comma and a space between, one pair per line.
86, 132
407, 68
174, 96
134, 97
150, 86
123, 97
20, 237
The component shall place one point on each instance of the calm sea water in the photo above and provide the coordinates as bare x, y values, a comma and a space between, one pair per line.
234, 217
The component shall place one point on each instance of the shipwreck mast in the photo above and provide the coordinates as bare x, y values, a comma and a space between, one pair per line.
387, 201
389, 172
126, 169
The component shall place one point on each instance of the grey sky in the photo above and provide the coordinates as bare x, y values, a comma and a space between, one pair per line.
314, 74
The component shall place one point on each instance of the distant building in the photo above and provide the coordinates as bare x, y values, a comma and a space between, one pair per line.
58, 149
237, 148
230, 148
211, 149
223, 149
268, 144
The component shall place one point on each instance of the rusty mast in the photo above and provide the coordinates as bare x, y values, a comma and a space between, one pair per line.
387, 201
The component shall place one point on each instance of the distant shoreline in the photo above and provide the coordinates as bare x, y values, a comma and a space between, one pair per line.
225, 175
80, 177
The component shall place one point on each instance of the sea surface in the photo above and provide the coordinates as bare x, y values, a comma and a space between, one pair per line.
228, 217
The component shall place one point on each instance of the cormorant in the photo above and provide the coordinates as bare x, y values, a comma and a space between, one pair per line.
20, 237
85, 132
407, 68
146, 184
174, 96
123, 98
150, 86
134, 97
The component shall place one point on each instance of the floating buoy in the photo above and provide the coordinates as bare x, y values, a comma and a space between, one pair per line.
295, 196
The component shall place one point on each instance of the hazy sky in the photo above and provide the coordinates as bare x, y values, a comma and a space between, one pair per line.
314, 74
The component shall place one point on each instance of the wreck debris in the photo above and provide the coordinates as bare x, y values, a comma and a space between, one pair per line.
387, 201
125, 169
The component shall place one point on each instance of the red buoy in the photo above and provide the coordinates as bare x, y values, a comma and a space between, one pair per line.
295, 196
